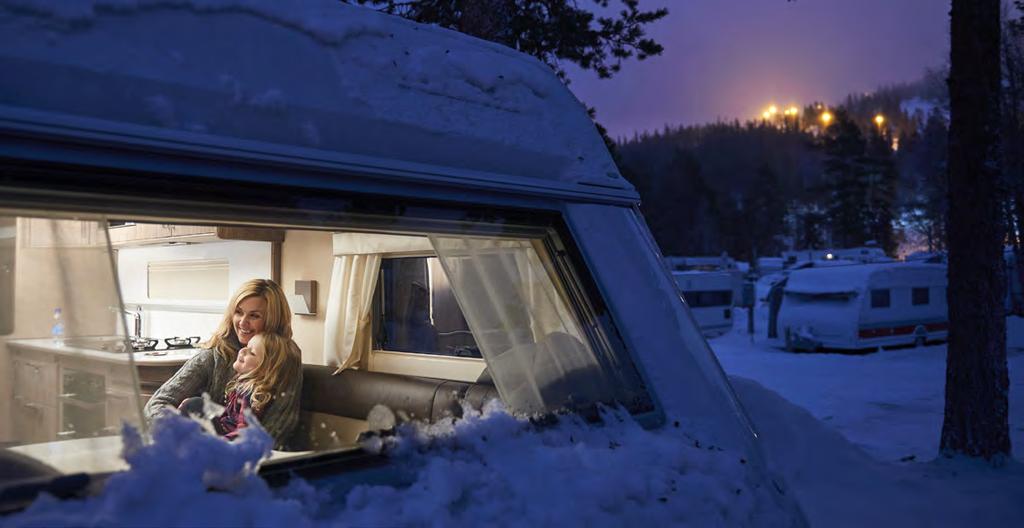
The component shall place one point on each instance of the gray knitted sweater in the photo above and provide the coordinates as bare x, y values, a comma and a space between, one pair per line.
208, 372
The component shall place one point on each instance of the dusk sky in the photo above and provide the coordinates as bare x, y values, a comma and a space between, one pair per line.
730, 59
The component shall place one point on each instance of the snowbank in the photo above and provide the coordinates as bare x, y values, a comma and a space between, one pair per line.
839, 485
487, 469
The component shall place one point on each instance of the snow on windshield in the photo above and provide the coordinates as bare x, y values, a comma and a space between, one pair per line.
488, 468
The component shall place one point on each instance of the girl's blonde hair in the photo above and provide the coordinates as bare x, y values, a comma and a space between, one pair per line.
277, 319
279, 369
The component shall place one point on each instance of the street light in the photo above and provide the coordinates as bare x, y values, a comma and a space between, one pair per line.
826, 118
879, 120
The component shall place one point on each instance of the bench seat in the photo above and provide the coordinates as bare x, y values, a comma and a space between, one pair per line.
335, 408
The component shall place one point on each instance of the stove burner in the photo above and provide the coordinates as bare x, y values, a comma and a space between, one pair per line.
182, 342
140, 344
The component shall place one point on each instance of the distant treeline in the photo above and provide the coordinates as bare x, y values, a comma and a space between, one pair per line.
756, 188
795, 180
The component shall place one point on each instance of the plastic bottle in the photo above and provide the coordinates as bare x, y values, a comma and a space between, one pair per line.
57, 331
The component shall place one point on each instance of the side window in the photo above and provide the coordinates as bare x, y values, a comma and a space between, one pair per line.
703, 299
880, 298
415, 310
919, 296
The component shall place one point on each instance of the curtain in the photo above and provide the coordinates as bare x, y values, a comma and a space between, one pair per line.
527, 333
347, 329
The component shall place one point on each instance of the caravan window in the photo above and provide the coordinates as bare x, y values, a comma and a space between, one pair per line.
415, 310
703, 299
880, 298
919, 296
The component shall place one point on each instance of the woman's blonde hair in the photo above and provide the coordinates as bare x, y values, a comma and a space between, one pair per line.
276, 320
278, 369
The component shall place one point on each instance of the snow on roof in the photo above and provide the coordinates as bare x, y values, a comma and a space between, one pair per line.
857, 277
308, 74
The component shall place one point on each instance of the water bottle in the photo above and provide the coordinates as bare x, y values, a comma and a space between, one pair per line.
57, 331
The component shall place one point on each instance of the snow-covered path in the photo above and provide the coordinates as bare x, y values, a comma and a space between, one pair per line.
870, 457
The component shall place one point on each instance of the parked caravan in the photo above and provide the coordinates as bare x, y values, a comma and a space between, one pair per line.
863, 255
864, 306
720, 264
709, 294
445, 219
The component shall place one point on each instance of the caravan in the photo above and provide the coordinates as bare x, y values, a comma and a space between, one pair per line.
864, 306
709, 294
450, 197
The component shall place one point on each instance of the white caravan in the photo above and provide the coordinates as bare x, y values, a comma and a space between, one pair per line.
710, 296
864, 306
450, 196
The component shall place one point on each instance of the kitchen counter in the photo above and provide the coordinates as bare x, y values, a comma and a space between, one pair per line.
81, 348
100, 454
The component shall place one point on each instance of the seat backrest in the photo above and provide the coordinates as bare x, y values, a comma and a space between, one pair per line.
353, 393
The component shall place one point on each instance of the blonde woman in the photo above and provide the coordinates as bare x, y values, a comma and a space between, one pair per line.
259, 306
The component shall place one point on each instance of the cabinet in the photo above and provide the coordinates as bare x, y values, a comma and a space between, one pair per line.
34, 409
147, 234
50, 233
59, 397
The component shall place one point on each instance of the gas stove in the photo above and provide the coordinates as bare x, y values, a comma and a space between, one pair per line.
149, 344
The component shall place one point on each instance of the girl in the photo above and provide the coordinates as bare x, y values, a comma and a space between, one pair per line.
262, 369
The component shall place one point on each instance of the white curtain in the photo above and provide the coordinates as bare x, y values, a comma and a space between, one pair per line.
347, 329
534, 347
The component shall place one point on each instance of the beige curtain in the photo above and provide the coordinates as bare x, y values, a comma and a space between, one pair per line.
347, 329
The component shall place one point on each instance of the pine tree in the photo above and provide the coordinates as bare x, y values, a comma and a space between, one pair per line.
551, 30
767, 211
975, 422
848, 210
929, 203
881, 176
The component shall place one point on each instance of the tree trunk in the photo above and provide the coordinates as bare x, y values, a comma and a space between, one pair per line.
975, 422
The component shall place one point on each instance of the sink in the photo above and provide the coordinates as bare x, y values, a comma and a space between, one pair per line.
114, 344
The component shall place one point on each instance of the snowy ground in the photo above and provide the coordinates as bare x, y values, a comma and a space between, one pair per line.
871, 455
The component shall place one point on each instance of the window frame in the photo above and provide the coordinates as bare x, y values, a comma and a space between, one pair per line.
115, 193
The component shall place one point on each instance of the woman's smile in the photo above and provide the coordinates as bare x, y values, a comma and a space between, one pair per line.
249, 318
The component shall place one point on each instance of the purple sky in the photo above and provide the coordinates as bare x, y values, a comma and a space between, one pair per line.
731, 58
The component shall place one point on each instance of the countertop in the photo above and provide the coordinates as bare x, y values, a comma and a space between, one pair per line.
73, 347
98, 455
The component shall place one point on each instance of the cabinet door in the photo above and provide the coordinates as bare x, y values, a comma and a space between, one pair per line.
47, 233
120, 407
34, 422
35, 381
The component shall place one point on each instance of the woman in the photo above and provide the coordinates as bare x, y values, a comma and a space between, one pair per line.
258, 306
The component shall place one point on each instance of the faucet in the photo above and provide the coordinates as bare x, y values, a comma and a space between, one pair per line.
137, 316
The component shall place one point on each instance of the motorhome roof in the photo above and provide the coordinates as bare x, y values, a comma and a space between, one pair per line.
305, 79
855, 278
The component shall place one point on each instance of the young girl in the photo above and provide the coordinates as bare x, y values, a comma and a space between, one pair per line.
262, 369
